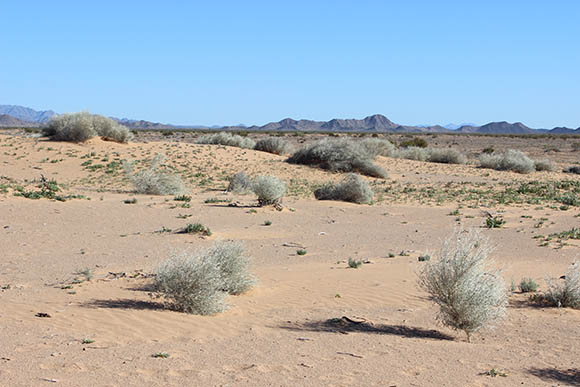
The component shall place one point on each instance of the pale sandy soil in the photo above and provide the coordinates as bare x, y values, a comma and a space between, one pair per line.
281, 333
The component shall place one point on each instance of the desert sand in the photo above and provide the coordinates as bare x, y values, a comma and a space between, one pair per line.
310, 320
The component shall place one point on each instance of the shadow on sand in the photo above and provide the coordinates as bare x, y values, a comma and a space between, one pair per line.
571, 377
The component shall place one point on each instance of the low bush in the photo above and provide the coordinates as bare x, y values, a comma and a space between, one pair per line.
80, 127
351, 189
543, 165
469, 295
269, 190
512, 160
446, 156
528, 285
377, 147
575, 170
240, 183
273, 145
416, 142
566, 294
197, 228
198, 283
412, 153
339, 155
154, 180
227, 139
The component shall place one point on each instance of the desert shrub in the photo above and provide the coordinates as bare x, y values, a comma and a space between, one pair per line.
416, 142
446, 156
199, 282
512, 160
469, 295
528, 285
274, 145
377, 147
566, 294
227, 139
80, 127
269, 190
197, 228
351, 189
543, 165
576, 146
154, 180
488, 150
240, 182
412, 153
575, 170
339, 155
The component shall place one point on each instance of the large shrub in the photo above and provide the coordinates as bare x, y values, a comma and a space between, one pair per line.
154, 180
274, 145
377, 147
80, 127
512, 160
269, 190
199, 282
240, 183
339, 155
351, 189
470, 296
228, 139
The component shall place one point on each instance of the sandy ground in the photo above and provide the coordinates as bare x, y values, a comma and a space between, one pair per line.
296, 326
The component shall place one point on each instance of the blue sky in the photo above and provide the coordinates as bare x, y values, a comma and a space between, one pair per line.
230, 62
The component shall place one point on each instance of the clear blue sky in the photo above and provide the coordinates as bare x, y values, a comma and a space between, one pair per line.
229, 62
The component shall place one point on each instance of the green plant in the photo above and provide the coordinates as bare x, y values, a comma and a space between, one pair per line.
269, 190
494, 222
488, 150
493, 373
87, 341
354, 264
130, 201
424, 258
267, 223
197, 228
301, 252
469, 295
351, 189
414, 142
528, 285
182, 198
162, 355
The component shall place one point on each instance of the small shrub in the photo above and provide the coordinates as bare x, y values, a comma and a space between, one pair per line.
267, 223
80, 127
269, 190
273, 145
575, 170
470, 296
512, 160
354, 264
153, 180
412, 153
377, 147
416, 142
351, 189
227, 139
301, 252
494, 222
566, 295
544, 165
182, 198
240, 183
162, 355
424, 258
130, 201
446, 156
197, 228
488, 150
339, 155
198, 283
528, 285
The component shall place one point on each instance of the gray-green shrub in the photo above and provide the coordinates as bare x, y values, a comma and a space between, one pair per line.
377, 147
351, 189
566, 294
273, 145
412, 153
240, 183
470, 296
154, 180
544, 165
80, 127
228, 139
199, 282
511, 160
446, 156
269, 190
339, 155
528, 285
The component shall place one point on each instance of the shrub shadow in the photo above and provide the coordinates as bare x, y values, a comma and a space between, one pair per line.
570, 376
346, 325
124, 303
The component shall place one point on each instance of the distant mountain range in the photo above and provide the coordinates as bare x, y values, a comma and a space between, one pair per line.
19, 116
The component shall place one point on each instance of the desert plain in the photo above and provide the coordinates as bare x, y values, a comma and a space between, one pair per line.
76, 307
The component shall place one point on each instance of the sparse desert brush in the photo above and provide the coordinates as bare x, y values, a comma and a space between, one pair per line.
412, 153
511, 160
240, 183
377, 147
351, 189
198, 282
273, 145
339, 155
575, 170
80, 127
469, 294
446, 156
227, 139
416, 142
197, 228
154, 180
566, 294
528, 285
269, 190
544, 165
